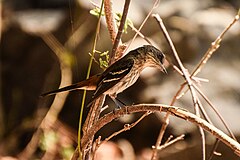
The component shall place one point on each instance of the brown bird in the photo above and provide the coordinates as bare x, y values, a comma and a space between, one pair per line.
121, 74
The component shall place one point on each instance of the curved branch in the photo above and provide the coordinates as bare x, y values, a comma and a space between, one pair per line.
175, 111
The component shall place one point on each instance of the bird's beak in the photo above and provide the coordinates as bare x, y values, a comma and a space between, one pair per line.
163, 68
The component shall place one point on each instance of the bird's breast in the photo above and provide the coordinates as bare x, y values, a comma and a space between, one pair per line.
125, 82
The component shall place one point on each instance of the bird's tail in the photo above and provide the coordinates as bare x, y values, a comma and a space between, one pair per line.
88, 84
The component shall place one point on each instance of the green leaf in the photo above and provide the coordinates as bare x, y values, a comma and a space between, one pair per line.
104, 53
127, 23
96, 12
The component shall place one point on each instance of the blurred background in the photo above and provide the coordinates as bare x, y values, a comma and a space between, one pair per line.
36, 34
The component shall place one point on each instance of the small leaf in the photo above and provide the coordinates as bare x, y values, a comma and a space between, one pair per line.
96, 12
127, 23
107, 58
104, 53
105, 64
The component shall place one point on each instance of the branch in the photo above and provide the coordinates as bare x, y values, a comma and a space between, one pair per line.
160, 135
125, 128
174, 111
214, 46
165, 145
120, 30
185, 74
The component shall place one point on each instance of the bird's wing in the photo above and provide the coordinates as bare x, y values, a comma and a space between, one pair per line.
113, 75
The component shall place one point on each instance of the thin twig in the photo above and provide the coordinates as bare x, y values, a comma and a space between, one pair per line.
213, 151
160, 135
165, 145
208, 54
214, 46
183, 69
140, 34
125, 128
169, 139
144, 21
215, 110
176, 96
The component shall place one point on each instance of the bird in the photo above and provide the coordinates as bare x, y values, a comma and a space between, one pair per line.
120, 75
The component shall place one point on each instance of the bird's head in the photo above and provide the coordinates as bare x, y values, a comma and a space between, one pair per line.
154, 57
